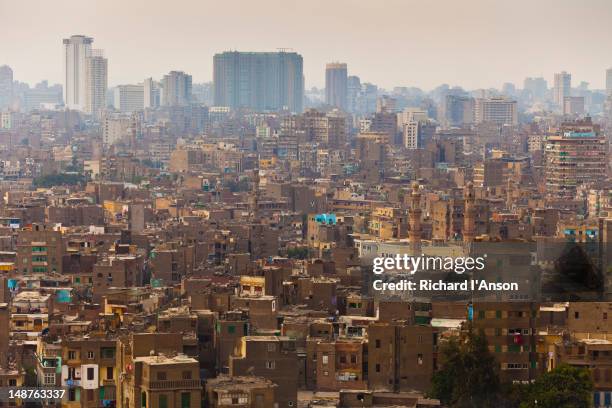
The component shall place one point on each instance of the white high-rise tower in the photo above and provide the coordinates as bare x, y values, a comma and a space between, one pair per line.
76, 49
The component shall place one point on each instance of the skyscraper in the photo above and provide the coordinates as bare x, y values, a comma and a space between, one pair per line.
609, 81
176, 89
259, 80
537, 87
151, 93
76, 49
336, 85
6, 86
563, 86
96, 80
353, 91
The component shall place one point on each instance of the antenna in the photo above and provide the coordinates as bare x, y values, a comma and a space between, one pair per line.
284, 49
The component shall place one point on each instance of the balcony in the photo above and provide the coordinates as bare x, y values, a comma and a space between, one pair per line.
175, 384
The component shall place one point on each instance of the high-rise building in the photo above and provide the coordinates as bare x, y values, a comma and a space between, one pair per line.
457, 110
498, 110
151, 93
6, 86
609, 81
76, 49
129, 98
176, 89
577, 154
336, 85
259, 80
353, 90
536, 86
563, 86
96, 81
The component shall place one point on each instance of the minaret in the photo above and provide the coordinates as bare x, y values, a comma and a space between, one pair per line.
414, 236
469, 215
254, 198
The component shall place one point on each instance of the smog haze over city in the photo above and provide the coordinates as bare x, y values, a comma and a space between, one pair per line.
472, 43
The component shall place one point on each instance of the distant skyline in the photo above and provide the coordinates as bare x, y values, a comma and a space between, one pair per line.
470, 43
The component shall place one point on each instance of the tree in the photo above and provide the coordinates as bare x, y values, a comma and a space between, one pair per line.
468, 377
563, 387
58, 179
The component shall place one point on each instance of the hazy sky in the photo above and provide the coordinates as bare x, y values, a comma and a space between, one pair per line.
471, 43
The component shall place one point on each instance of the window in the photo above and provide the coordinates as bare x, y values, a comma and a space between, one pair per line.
271, 347
161, 376
186, 375
270, 365
576, 315
498, 314
143, 400
605, 316
163, 401
12, 382
90, 395
90, 373
49, 379
109, 373
353, 358
90, 355
377, 343
343, 359
420, 359
378, 368
325, 359
72, 355
231, 329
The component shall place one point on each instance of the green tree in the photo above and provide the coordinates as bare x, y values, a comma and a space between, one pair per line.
563, 387
58, 179
468, 377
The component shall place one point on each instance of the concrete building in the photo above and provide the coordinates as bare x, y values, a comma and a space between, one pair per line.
96, 82
498, 110
259, 80
151, 93
76, 50
6, 87
336, 85
457, 110
247, 392
401, 357
176, 89
510, 330
42, 96
129, 98
273, 358
562, 87
573, 105
163, 381
39, 250
575, 155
